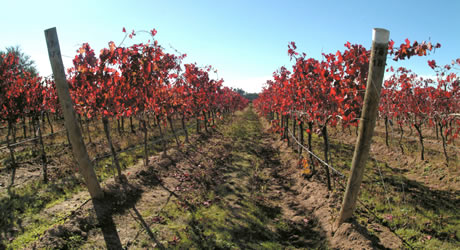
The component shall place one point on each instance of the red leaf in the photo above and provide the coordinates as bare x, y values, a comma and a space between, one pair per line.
432, 63
333, 93
391, 44
407, 42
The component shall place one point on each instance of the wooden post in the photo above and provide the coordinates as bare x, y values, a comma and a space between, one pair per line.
146, 148
105, 122
71, 123
367, 123
42, 149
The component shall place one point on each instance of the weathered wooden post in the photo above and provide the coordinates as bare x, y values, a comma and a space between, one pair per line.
367, 122
78, 146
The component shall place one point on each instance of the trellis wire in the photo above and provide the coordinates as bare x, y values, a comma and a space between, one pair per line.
317, 157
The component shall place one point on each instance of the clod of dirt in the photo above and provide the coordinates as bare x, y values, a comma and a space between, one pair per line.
348, 233
60, 237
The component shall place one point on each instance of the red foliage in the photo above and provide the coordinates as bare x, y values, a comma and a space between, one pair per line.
332, 90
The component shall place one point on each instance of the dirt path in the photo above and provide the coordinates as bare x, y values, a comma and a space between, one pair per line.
235, 188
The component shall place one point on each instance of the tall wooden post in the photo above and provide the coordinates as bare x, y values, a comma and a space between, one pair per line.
367, 122
78, 146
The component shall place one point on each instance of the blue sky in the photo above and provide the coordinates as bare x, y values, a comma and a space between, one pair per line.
245, 40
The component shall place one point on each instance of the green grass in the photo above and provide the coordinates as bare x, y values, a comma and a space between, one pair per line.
34, 230
22, 209
414, 212
27, 201
240, 218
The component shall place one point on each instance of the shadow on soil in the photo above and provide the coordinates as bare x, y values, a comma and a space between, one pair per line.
241, 215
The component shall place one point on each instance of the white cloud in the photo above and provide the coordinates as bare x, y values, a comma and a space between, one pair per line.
251, 84
432, 77
43, 64
389, 74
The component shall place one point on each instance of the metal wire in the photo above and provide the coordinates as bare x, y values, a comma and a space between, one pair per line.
32, 139
319, 159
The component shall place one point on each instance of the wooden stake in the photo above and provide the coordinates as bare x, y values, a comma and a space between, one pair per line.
366, 126
78, 146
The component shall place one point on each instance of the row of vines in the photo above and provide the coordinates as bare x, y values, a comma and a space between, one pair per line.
329, 93
142, 82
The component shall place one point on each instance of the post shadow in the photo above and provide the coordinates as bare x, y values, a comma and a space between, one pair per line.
107, 225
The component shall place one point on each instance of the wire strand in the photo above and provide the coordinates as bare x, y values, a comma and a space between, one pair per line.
319, 159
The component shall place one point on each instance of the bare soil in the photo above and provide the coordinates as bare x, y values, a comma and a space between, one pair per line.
237, 187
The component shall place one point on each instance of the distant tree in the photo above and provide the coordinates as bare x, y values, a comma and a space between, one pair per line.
25, 63
249, 96
239, 91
